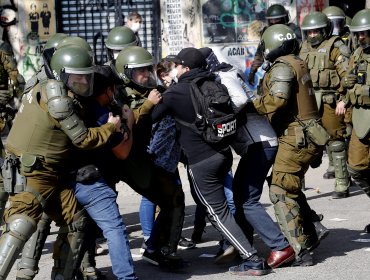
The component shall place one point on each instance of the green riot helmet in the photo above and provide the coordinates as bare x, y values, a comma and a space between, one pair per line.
119, 38
74, 66
76, 41
316, 27
49, 50
277, 14
360, 27
134, 65
278, 40
337, 18
55, 40
348, 21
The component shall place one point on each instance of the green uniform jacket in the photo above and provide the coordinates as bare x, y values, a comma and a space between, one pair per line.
36, 133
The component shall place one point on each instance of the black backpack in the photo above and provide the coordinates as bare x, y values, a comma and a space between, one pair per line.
215, 118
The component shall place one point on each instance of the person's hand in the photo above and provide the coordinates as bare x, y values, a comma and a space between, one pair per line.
340, 109
128, 114
154, 96
349, 80
251, 77
115, 120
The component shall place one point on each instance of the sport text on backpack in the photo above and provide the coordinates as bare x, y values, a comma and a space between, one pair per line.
215, 117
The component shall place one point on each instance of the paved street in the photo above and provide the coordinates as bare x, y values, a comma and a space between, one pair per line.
344, 254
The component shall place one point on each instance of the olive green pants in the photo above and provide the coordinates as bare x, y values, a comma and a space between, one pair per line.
292, 211
335, 125
359, 152
61, 204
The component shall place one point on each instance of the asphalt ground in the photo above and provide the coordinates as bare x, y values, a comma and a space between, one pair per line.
344, 254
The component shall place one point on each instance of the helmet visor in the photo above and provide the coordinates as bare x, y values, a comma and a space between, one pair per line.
81, 84
362, 38
338, 25
279, 20
144, 76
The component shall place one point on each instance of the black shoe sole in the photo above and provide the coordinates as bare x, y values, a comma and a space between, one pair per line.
149, 260
302, 263
339, 195
322, 235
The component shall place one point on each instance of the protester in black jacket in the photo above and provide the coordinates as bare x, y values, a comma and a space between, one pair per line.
208, 165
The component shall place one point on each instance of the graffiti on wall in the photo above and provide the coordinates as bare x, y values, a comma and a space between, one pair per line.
39, 16
180, 25
228, 21
173, 29
31, 23
304, 7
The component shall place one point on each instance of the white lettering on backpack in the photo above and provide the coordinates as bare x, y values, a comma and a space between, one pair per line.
226, 129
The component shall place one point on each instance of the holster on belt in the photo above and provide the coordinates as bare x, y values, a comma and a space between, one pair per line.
298, 132
14, 182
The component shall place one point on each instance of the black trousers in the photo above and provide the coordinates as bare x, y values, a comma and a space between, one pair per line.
208, 186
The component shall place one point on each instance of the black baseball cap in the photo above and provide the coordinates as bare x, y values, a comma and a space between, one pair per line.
190, 57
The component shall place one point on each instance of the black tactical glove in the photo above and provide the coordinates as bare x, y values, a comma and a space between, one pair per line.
349, 80
251, 77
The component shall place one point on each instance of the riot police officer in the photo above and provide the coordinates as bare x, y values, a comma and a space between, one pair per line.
327, 59
134, 66
39, 144
27, 267
287, 100
275, 14
357, 83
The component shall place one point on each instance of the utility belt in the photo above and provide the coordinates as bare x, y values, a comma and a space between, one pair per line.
310, 131
14, 181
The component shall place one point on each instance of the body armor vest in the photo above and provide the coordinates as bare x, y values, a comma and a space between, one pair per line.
34, 132
359, 95
323, 72
302, 103
305, 107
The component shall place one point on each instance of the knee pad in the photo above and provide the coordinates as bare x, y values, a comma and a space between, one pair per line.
339, 154
27, 267
67, 247
337, 146
288, 217
19, 229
